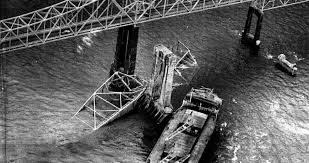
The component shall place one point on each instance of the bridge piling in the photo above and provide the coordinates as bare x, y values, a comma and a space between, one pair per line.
247, 37
126, 47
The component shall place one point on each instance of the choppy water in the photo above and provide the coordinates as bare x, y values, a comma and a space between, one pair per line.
265, 116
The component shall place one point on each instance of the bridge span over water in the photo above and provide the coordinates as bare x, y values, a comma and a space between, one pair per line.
72, 18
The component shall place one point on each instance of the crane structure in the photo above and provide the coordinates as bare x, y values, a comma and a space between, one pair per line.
71, 18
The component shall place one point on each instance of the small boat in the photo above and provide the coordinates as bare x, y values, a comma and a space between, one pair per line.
290, 67
187, 133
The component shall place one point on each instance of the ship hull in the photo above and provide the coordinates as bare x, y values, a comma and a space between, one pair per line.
200, 142
157, 151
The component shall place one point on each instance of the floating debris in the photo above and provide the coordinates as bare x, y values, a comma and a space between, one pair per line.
269, 56
224, 124
298, 58
235, 153
79, 49
87, 40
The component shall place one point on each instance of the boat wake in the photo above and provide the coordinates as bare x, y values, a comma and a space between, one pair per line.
234, 159
269, 56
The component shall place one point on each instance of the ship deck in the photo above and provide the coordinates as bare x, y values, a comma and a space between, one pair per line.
182, 144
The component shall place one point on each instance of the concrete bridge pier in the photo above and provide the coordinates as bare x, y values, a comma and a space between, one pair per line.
247, 37
126, 47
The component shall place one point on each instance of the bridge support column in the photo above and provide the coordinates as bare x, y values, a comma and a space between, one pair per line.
247, 37
126, 47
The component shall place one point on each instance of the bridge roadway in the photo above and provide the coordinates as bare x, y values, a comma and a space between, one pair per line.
72, 18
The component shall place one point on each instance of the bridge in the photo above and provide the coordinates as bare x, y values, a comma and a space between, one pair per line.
71, 18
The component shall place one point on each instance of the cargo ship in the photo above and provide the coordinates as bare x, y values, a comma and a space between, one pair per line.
186, 135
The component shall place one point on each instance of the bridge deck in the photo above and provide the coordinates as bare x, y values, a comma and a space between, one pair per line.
72, 18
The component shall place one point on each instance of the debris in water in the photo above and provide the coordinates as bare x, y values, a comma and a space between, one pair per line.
236, 32
235, 153
224, 124
233, 100
87, 40
297, 58
79, 49
269, 56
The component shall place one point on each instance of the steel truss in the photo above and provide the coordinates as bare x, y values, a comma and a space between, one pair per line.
186, 63
113, 99
72, 18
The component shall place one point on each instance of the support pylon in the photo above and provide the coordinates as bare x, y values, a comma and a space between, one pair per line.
125, 55
247, 37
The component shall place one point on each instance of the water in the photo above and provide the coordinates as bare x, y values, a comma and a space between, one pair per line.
265, 116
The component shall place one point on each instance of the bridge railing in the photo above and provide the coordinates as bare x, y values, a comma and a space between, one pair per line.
72, 18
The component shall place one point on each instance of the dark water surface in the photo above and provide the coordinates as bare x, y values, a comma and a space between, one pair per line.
265, 116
